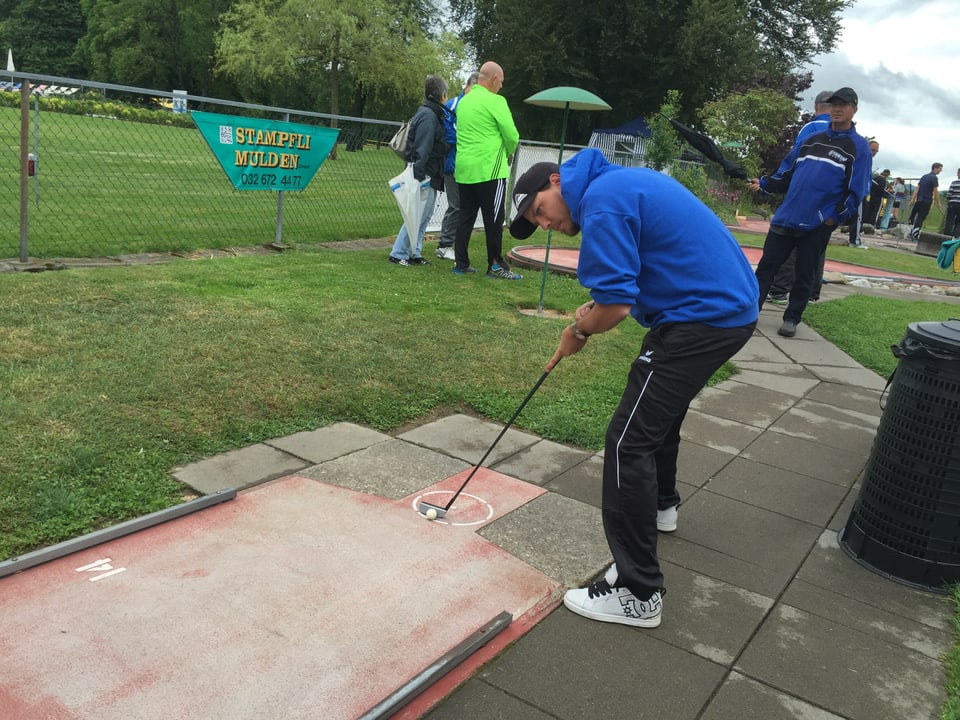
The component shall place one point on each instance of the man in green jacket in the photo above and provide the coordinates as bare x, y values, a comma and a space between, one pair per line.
486, 137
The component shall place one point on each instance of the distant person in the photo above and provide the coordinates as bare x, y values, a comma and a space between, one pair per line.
448, 228
644, 239
889, 204
878, 186
784, 278
823, 181
486, 138
951, 223
856, 221
923, 198
426, 149
899, 195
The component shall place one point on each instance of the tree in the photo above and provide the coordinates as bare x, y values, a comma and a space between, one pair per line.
663, 146
166, 44
756, 119
43, 35
630, 54
273, 47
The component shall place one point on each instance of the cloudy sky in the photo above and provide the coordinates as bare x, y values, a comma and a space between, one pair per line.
903, 60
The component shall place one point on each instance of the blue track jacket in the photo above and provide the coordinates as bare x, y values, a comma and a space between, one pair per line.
649, 242
826, 176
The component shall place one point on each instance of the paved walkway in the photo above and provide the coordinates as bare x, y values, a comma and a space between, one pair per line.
765, 616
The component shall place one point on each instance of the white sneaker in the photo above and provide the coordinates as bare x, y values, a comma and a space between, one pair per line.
667, 519
445, 253
605, 602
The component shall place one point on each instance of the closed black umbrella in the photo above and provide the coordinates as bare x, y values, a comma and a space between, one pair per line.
708, 148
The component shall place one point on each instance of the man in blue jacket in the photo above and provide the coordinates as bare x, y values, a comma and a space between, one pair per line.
783, 280
649, 249
824, 180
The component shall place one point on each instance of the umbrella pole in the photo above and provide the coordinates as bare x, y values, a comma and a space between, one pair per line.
546, 255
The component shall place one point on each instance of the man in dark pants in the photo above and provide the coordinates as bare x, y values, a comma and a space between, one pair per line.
923, 197
644, 237
824, 180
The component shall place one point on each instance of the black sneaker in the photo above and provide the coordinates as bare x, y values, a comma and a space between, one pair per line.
399, 261
418, 261
788, 329
777, 299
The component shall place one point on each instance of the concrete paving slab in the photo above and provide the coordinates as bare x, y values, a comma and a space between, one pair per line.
477, 699
760, 349
869, 619
850, 673
252, 609
797, 383
696, 463
238, 469
807, 353
582, 482
761, 537
852, 397
560, 537
814, 423
740, 698
542, 462
757, 411
839, 519
468, 438
797, 496
833, 411
728, 436
710, 618
858, 376
391, 469
791, 370
673, 549
662, 681
327, 443
830, 464
830, 568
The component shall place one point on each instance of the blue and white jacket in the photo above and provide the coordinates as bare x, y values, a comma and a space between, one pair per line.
825, 177
650, 243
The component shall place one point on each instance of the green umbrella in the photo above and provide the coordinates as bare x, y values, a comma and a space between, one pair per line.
568, 98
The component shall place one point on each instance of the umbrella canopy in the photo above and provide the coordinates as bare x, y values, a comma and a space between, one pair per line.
708, 148
10, 67
567, 98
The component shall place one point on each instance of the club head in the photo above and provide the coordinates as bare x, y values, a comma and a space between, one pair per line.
424, 506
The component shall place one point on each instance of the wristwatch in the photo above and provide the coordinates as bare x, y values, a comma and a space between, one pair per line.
577, 332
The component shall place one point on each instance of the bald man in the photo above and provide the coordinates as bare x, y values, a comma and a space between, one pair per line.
486, 137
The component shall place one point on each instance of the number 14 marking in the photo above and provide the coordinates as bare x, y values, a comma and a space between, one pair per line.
102, 567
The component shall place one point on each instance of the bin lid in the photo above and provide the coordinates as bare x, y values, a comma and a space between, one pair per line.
944, 334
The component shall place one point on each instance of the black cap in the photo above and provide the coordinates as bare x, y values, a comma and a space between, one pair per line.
823, 98
535, 179
846, 95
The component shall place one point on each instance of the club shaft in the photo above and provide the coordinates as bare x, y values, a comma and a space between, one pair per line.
502, 433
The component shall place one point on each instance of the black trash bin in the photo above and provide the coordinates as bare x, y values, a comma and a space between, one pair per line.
906, 520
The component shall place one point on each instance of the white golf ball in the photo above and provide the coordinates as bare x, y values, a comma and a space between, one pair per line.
431, 514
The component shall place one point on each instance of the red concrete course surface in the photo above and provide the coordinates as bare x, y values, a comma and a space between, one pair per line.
297, 599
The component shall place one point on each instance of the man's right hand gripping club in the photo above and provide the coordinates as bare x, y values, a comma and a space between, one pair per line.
590, 319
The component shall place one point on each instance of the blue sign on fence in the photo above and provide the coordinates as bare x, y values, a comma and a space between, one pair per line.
265, 154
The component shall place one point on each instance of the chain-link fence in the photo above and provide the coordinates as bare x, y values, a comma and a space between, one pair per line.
113, 170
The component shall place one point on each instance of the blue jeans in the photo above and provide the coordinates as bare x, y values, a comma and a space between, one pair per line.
887, 214
403, 248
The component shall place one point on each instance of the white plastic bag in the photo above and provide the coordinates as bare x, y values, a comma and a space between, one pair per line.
410, 195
